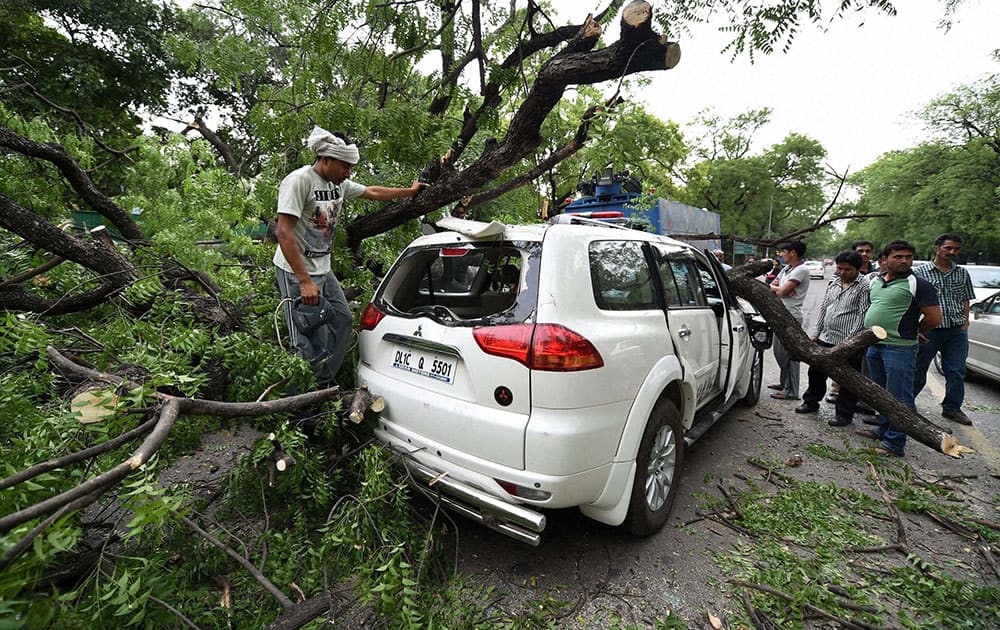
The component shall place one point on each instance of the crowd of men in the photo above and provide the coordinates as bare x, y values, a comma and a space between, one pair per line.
924, 311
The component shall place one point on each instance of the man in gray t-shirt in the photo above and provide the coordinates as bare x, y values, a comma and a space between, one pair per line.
309, 203
791, 285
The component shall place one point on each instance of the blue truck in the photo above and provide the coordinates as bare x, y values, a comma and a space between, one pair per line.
618, 198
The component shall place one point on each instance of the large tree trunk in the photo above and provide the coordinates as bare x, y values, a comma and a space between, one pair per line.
833, 361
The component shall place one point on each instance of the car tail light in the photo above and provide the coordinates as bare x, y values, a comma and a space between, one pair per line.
511, 342
453, 252
548, 347
371, 317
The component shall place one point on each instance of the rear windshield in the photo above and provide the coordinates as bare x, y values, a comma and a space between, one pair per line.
464, 284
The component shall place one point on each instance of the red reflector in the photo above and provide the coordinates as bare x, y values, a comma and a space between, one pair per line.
453, 252
549, 347
371, 317
509, 488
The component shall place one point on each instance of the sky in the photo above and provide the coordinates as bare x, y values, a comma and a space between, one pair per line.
854, 88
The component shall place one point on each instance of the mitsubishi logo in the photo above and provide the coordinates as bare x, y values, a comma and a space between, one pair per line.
417, 332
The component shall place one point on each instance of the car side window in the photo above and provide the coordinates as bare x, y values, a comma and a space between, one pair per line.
620, 276
681, 283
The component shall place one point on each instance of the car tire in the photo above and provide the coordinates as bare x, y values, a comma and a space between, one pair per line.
658, 466
756, 380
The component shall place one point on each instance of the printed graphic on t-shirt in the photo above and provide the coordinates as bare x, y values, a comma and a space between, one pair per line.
322, 223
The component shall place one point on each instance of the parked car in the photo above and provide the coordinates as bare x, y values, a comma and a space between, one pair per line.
816, 268
985, 280
984, 339
553, 366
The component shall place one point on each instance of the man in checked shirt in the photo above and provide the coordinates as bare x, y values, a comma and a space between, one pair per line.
951, 337
841, 316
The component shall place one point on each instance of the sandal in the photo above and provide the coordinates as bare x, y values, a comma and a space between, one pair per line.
783, 396
886, 452
867, 433
777, 386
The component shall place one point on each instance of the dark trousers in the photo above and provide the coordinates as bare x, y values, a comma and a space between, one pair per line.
846, 401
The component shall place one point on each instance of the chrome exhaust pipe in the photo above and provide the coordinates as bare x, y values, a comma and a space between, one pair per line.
507, 518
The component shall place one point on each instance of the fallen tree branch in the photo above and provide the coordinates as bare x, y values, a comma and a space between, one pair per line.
31, 273
833, 361
172, 407
72, 458
901, 542
847, 623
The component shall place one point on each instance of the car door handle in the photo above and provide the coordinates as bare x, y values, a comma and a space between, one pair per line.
739, 328
684, 332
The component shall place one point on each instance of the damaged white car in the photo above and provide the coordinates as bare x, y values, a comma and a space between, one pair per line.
555, 365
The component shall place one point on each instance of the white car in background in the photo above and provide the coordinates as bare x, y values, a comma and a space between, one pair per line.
816, 269
553, 366
985, 280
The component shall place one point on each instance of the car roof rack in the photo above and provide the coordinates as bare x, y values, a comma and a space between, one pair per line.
572, 219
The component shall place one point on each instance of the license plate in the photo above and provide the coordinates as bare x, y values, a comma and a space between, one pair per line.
430, 365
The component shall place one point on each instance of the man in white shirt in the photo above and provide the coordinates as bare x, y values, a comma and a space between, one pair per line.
791, 285
310, 200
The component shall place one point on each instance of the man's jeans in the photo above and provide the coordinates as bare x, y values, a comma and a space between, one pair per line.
326, 346
953, 344
788, 369
893, 368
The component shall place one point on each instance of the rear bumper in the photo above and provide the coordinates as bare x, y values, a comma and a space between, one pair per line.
468, 485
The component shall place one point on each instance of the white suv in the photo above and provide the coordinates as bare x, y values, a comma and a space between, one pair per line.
550, 366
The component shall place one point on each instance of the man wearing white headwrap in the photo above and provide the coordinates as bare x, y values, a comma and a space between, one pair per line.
309, 203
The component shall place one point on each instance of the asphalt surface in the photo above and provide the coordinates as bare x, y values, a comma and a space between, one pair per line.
594, 576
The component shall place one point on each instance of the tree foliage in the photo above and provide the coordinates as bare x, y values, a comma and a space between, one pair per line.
761, 195
951, 183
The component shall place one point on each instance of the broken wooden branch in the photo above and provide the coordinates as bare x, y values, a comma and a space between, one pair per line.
891, 507
362, 402
847, 623
834, 363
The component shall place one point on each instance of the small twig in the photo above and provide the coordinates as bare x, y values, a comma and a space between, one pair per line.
729, 500
896, 547
956, 528
988, 554
759, 621
267, 391
180, 615
989, 524
900, 531
243, 562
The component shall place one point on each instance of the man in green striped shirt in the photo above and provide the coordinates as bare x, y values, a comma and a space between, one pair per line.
906, 307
